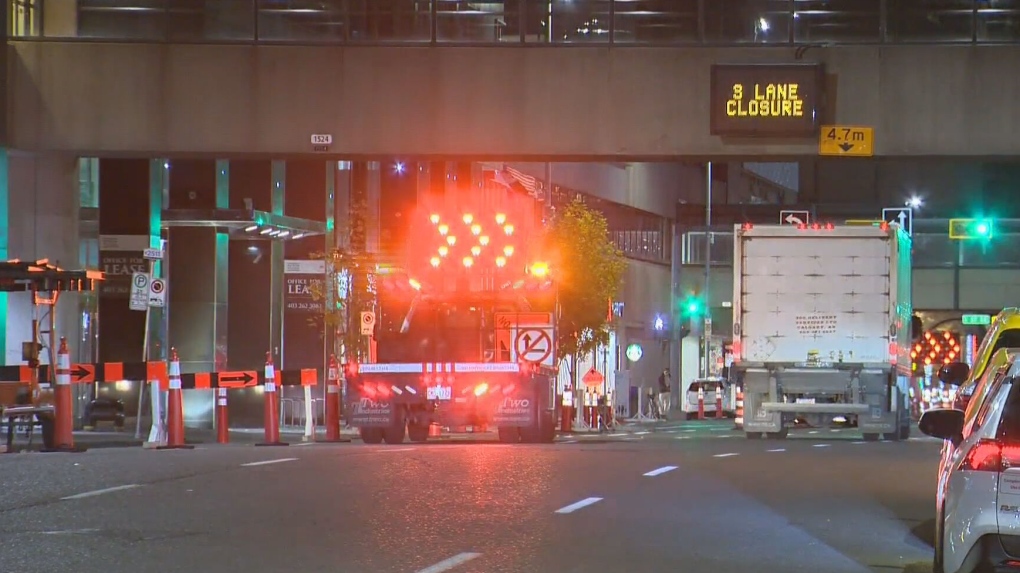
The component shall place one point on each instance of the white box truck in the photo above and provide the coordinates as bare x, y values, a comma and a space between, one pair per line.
822, 321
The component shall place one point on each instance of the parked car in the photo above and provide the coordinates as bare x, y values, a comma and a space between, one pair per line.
977, 523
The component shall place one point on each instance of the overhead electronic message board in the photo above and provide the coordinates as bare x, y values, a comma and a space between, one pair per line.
766, 100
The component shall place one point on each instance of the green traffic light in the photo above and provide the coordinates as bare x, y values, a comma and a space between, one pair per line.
983, 228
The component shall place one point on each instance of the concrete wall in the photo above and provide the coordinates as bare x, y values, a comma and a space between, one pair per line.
43, 224
497, 102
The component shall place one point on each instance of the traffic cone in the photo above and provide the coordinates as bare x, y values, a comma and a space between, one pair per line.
272, 417
175, 407
333, 401
63, 404
222, 420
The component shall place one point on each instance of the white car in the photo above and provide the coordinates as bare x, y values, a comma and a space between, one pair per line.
977, 523
711, 389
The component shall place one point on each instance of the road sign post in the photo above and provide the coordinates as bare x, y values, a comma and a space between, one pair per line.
145, 301
846, 141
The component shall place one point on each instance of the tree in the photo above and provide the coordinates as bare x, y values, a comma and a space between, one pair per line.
588, 269
352, 270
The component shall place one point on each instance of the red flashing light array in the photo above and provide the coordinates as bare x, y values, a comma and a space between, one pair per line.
476, 232
935, 348
816, 227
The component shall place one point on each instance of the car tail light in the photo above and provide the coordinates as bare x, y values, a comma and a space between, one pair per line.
991, 456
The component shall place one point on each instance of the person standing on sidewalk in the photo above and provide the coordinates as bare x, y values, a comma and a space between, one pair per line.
664, 392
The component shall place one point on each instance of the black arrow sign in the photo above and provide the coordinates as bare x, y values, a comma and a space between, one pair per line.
78, 373
242, 377
846, 146
527, 341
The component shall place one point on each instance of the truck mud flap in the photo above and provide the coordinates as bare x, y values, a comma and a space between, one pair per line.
368, 413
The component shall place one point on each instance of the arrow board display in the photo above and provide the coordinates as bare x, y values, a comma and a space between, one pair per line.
534, 345
902, 215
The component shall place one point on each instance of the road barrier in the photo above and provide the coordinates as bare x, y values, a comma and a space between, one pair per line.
167, 376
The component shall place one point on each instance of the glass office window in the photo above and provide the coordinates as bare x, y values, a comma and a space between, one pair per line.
747, 21
478, 22
655, 21
998, 21
573, 21
122, 20
386, 21
840, 21
211, 20
930, 20
24, 15
312, 21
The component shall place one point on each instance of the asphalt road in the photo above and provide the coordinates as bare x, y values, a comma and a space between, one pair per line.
697, 500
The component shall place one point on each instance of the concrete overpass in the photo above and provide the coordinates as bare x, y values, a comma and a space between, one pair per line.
231, 95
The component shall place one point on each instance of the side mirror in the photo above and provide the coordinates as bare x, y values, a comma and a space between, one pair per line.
942, 423
955, 373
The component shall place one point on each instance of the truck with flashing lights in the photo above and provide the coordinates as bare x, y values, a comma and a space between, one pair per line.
822, 327
442, 353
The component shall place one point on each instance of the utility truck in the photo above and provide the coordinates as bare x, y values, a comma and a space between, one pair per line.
464, 334
822, 327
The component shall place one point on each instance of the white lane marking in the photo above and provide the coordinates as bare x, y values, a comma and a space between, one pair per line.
267, 462
628, 439
101, 491
576, 506
689, 431
675, 431
395, 450
719, 429
724, 437
821, 445
660, 471
304, 444
447, 564
569, 442
641, 433
683, 437
858, 443
778, 450
725, 455
813, 432
834, 430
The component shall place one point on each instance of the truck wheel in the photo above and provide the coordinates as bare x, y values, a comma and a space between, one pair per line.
905, 432
394, 434
371, 435
870, 437
752, 435
780, 435
509, 434
418, 433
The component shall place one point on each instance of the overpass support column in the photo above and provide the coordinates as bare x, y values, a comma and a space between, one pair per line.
278, 192
198, 260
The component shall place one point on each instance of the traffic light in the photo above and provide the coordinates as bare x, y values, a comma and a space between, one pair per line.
692, 307
982, 229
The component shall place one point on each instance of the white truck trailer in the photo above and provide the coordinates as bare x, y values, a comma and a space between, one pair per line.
822, 327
